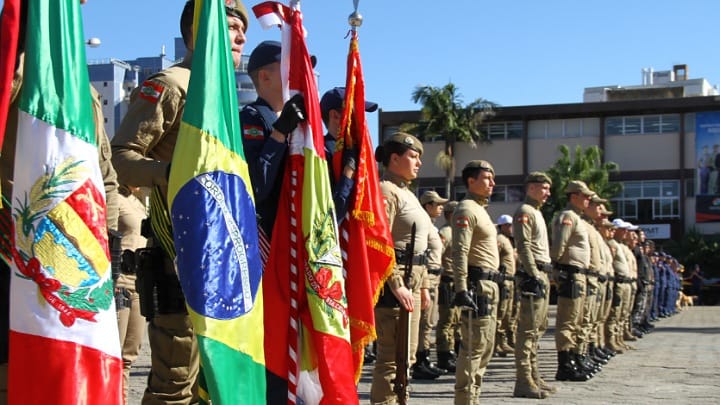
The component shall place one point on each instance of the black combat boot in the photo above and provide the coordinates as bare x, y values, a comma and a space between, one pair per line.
432, 366
421, 370
596, 356
568, 370
586, 364
447, 360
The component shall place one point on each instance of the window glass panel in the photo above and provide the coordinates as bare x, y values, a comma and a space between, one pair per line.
613, 126
670, 188
514, 130
689, 123
460, 192
632, 125
515, 193
497, 130
651, 189
498, 194
536, 129
590, 127
670, 123
651, 124
629, 208
573, 128
555, 129
631, 189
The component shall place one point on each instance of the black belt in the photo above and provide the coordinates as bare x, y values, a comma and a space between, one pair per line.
568, 268
593, 273
416, 260
478, 273
623, 280
544, 267
435, 271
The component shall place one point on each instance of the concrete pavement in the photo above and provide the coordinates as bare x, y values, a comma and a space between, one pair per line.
676, 364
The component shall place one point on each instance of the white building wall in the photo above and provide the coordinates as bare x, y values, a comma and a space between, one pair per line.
643, 152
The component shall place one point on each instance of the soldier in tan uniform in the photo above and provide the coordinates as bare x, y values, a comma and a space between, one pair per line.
621, 291
142, 150
629, 241
131, 324
7, 168
400, 155
506, 285
533, 286
570, 252
586, 336
448, 314
607, 230
475, 267
424, 369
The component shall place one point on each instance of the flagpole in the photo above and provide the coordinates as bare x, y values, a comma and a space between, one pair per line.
355, 19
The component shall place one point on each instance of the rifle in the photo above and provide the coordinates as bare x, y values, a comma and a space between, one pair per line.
402, 346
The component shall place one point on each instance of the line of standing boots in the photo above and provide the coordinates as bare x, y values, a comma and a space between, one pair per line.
573, 366
424, 369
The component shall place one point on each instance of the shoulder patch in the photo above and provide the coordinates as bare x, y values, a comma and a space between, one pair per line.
522, 218
253, 132
151, 91
461, 222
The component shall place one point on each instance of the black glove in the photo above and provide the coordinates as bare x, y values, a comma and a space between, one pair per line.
464, 300
350, 158
531, 287
292, 114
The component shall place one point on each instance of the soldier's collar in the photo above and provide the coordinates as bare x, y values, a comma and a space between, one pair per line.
478, 199
531, 201
395, 179
577, 210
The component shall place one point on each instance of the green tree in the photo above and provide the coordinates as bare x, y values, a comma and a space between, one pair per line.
444, 115
586, 165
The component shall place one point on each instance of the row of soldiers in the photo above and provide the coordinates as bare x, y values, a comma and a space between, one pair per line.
492, 281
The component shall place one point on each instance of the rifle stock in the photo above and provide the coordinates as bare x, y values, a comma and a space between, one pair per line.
402, 345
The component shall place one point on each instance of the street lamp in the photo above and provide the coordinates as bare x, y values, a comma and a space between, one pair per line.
93, 42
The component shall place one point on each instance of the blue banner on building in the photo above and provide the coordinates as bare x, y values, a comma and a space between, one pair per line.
707, 154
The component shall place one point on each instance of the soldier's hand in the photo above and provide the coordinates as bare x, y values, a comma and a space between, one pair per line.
405, 297
350, 158
464, 301
425, 299
531, 287
292, 114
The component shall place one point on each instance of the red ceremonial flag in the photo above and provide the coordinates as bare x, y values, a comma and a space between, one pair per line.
366, 242
307, 336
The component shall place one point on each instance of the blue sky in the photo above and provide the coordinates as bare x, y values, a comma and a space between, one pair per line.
511, 52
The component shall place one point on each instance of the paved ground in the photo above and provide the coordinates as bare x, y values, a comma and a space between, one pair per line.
679, 363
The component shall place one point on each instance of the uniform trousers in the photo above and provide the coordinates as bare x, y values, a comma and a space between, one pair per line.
131, 326
428, 316
505, 310
570, 303
532, 322
386, 324
477, 345
618, 312
589, 314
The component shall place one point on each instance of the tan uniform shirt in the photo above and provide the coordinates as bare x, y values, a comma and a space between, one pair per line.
596, 262
143, 144
446, 238
403, 209
474, 239
607, 259
620, 264
435, 250
507, 254
132, 212
631, 260
570, 239
531, 238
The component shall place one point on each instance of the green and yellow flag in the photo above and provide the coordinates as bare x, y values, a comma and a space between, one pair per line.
213, 217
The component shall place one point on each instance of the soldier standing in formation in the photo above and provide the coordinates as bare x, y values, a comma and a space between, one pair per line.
506, 283
475, 267
448, 314
533, 286
570, 252
424, 369
142, 150
400, 156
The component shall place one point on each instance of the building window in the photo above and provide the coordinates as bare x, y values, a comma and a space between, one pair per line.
503, 130
508, 194
643, 124
648, 200
105, 102
564, 128
104, 84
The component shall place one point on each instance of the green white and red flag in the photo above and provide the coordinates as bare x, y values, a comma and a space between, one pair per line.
307, 336
64, 344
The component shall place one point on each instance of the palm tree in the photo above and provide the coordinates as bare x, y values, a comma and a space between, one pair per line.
586, 166
444, 115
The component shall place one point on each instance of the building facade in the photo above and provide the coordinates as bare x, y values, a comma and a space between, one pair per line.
651, 139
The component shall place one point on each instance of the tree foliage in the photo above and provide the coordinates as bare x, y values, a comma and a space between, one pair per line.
585, 165
696, 248
444, 115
